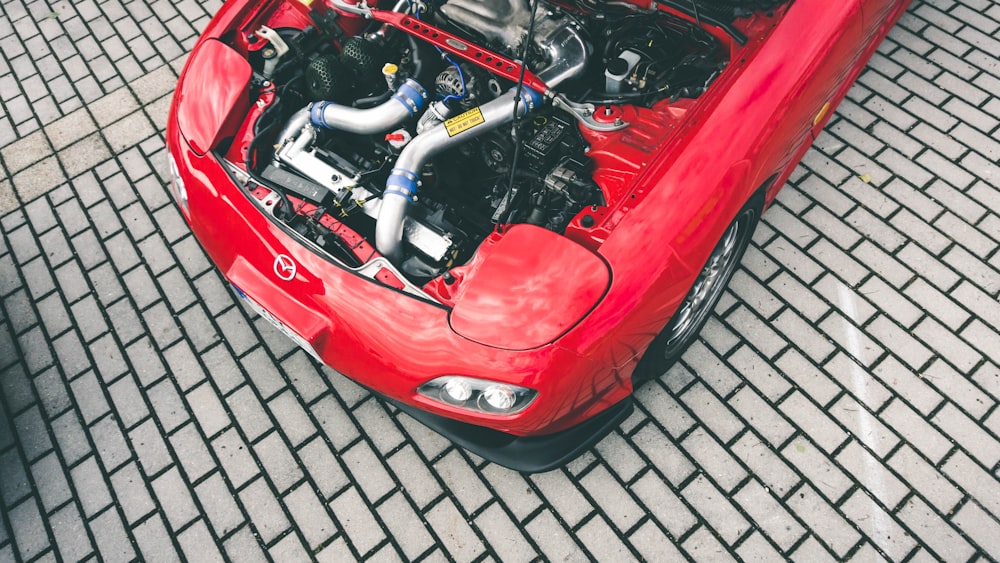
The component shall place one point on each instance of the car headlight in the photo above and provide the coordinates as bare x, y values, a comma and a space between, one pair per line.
479, 395
177, 185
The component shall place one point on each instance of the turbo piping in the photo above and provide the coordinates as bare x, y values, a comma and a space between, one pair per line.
408, 100
404, 180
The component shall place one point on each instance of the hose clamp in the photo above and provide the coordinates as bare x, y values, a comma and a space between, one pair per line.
316, 114
402, 183
412, 95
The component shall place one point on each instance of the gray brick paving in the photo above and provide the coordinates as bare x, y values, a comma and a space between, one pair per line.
842, 403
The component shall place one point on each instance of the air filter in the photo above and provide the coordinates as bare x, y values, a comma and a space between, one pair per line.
364, 58
327, 79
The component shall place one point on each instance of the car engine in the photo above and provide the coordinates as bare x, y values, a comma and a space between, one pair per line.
423, 129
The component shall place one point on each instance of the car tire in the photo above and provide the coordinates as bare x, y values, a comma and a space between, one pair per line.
684, 327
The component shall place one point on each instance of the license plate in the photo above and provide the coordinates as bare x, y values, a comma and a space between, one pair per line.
291, 334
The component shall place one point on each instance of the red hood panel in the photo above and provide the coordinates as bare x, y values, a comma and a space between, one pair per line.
533, 286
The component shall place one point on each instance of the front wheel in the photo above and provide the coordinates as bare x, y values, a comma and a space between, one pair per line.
704, 295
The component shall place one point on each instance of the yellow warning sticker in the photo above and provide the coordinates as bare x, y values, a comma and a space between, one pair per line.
464, 122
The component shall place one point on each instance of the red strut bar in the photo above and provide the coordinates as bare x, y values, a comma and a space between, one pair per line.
497, 64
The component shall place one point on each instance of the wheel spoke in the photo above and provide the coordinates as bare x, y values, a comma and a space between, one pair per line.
708, 286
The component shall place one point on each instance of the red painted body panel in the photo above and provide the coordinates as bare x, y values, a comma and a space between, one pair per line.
205, 104
675, 180
559, 282
757, 117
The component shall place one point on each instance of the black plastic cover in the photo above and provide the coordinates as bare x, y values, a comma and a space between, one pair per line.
296, 184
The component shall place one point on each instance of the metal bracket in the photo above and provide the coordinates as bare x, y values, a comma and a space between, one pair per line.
584, 113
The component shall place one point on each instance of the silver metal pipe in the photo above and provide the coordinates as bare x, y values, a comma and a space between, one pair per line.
405, 177
360, 8
568, 52
295, 124
409, 98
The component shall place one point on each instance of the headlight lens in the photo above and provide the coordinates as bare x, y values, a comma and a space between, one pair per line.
479, 395
177, 185
500, 397
458, 389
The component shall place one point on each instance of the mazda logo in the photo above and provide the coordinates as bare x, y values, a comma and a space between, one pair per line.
284, 268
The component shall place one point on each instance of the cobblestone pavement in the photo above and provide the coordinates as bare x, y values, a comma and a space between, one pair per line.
842, 403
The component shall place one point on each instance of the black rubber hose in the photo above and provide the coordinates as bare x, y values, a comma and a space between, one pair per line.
372, 101
251, 152
418, 62
418, 67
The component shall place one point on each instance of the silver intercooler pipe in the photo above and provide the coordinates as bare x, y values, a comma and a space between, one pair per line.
567, 53
405, 177
405, 103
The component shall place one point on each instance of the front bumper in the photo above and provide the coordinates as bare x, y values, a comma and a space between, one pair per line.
385, 340
381, 338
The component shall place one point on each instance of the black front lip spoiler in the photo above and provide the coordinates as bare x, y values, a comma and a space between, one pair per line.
526, 454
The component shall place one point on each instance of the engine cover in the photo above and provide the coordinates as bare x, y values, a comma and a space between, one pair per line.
502, 21
505, 22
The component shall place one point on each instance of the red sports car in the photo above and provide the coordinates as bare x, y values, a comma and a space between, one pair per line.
501, 215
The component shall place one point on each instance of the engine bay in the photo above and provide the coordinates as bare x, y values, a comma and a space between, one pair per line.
410, 135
